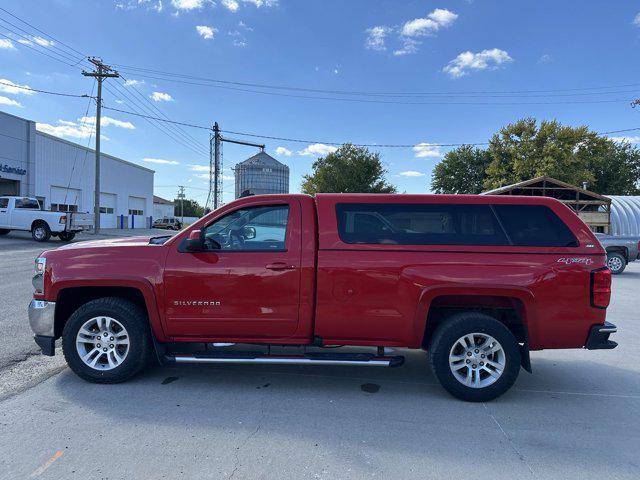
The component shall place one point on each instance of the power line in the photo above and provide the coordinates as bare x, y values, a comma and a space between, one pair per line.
43, 33
143, 71
388, 102
298, 140
24, 87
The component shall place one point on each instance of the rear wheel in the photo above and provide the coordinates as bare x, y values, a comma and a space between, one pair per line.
475, 357
67, 236
107, 340
40, 232
616, 262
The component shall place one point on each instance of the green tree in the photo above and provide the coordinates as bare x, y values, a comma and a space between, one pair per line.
191, 208
462, 170
350, 169
526, 149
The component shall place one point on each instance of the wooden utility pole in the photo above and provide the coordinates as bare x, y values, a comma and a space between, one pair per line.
101, 72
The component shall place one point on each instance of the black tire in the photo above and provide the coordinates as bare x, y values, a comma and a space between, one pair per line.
4, 231
134, 320
616, 262
454, 328
67, 236
40, 231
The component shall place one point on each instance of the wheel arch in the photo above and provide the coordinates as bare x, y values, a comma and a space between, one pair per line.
624, 251
39, 221
515, 307
70, 297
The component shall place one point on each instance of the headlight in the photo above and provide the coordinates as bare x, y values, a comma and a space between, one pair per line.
38, 278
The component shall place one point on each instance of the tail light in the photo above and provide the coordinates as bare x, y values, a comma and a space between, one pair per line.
600, 287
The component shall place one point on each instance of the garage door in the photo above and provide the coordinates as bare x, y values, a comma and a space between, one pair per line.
65, 199
136, 212
108, 210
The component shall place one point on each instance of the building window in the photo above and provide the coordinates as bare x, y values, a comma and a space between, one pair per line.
106, 210
136, 212
63, 207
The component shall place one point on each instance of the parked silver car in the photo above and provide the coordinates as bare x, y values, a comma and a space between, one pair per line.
620, 251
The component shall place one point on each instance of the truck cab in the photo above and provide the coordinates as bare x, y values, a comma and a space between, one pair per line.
477, 281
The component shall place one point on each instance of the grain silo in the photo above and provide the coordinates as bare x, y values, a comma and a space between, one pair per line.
261, 174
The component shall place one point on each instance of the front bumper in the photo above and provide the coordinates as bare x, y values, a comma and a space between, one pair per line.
598, 338
42, 322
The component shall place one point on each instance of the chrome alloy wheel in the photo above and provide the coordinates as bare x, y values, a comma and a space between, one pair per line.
614, 263
477, 360
102, 343
40, 233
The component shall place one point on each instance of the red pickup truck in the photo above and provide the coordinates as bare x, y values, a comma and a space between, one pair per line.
477, 281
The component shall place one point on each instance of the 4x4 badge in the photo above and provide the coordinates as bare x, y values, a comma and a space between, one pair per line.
570, 261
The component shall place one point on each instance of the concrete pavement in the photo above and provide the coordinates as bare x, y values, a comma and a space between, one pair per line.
574, 418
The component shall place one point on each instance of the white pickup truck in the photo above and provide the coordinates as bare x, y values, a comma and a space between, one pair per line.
24, 213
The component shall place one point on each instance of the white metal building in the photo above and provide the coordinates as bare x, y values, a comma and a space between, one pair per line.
625, 215
162, 208
61, 175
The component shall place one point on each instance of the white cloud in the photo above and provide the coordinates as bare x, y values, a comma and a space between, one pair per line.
66, 129
160, 161
262, 3
240, 43
411, 173
7, 86
425, 150
161, 97
626, 139
199, 168
283, 151
187, 4
43, 42
231, 5
636, 21
241, 24
469, 61
6, 44
376, 37
419, 27
9, 101
317, 149
106, 121
204, 176
228, 177
409, 46
206, 32
410, 33
133, 83
546, 58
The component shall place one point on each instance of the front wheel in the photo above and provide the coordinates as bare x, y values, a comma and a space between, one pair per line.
475, 357
616, 263
67, 236
107, 340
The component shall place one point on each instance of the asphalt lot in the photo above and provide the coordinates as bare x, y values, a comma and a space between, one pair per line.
17, 253
575, 417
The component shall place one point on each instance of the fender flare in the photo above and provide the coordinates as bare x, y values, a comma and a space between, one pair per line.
428, 295
141, 284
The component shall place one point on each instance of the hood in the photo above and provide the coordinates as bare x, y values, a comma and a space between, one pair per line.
109, 243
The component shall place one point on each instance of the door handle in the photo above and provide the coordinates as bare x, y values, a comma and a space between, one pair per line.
279, 266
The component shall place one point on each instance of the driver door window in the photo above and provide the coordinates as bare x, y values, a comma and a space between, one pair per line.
249, 229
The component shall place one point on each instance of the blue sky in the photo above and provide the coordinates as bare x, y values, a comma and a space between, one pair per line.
453, 47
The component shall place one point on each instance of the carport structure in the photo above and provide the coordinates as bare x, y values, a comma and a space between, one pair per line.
594, 209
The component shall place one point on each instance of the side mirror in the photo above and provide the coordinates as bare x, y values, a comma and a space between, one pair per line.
249, 233
194, 241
